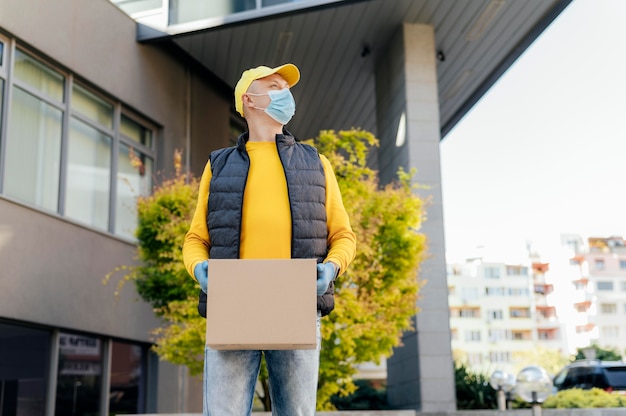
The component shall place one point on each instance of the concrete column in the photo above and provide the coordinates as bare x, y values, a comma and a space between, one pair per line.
420, 374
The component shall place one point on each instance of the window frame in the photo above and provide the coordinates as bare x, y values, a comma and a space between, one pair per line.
68, 112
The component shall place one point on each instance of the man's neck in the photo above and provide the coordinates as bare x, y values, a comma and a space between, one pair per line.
263, 132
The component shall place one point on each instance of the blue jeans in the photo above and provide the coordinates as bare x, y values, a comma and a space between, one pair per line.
230, 378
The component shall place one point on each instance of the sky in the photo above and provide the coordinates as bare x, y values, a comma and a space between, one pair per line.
544, 151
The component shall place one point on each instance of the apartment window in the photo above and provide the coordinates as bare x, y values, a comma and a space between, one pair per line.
496, 335
495, 314
519, 291
622, 264
73, 151
608, 308
519, 312
599, 264
465, 312
491, 272
610, 332
472, 336
474, 358
500, 356
495, 291
520, 335
469, 293
517, 271
623, 286
605, 286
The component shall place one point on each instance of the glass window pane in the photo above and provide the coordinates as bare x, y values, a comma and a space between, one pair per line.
88, 175
39, 76
137, 6
1, 53
136, 132
33, 151
91, 106
127, 391
80, 375
134, 179
24, 362
182, 11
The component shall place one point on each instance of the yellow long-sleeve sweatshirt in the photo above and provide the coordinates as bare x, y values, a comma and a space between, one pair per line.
266, 217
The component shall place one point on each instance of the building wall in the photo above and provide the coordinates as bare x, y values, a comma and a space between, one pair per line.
52, 267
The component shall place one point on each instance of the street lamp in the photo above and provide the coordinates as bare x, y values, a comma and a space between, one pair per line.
534, 386
503, 383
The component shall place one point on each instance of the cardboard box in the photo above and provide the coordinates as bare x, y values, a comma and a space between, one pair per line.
262, 304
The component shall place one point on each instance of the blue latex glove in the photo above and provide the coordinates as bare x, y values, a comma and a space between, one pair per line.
201, 273
326, 273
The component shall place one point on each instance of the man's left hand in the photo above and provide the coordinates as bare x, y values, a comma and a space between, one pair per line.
326, 273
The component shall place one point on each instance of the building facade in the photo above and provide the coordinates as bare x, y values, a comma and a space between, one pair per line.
568, 303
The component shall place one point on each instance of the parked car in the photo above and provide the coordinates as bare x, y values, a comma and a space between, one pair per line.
587, 374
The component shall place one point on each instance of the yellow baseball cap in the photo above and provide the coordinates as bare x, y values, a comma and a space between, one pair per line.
289, 72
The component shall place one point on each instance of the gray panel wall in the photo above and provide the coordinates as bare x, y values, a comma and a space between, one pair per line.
420, 373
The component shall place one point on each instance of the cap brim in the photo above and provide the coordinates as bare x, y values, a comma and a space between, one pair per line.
289, 72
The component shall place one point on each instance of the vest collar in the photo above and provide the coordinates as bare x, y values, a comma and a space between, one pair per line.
286, 139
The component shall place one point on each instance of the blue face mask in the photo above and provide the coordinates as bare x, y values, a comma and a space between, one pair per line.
282, 105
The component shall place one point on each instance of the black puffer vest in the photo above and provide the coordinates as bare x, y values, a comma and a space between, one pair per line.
306, 186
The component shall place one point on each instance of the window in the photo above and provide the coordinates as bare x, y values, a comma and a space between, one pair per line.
469, 293
496, 335
599, 264
464, 312
472, 336
73, 151
610, 331
517, 271
623, 286
494, 314
608, 308
24, 363
474, 358
127, 389
519, 291
491, 272
622, 264
605, 286
520, 335
80, 375
500, 356
131, 7
33, 146
519, 312
495, 291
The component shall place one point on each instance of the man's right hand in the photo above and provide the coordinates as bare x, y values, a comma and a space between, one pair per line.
201, 273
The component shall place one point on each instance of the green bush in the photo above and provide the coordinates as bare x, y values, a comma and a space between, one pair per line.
473, 390
580, 399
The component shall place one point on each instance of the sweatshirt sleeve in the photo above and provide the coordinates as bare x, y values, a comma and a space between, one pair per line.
341, 238
197, 243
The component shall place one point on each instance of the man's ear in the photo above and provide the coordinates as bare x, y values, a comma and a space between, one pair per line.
247, 101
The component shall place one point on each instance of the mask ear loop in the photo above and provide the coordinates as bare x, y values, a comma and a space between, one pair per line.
254, 106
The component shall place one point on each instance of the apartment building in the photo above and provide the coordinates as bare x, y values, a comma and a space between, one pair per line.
604, 273
492, 312
575, 299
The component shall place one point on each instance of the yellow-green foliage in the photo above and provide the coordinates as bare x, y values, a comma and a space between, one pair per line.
375, 298
580, 399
